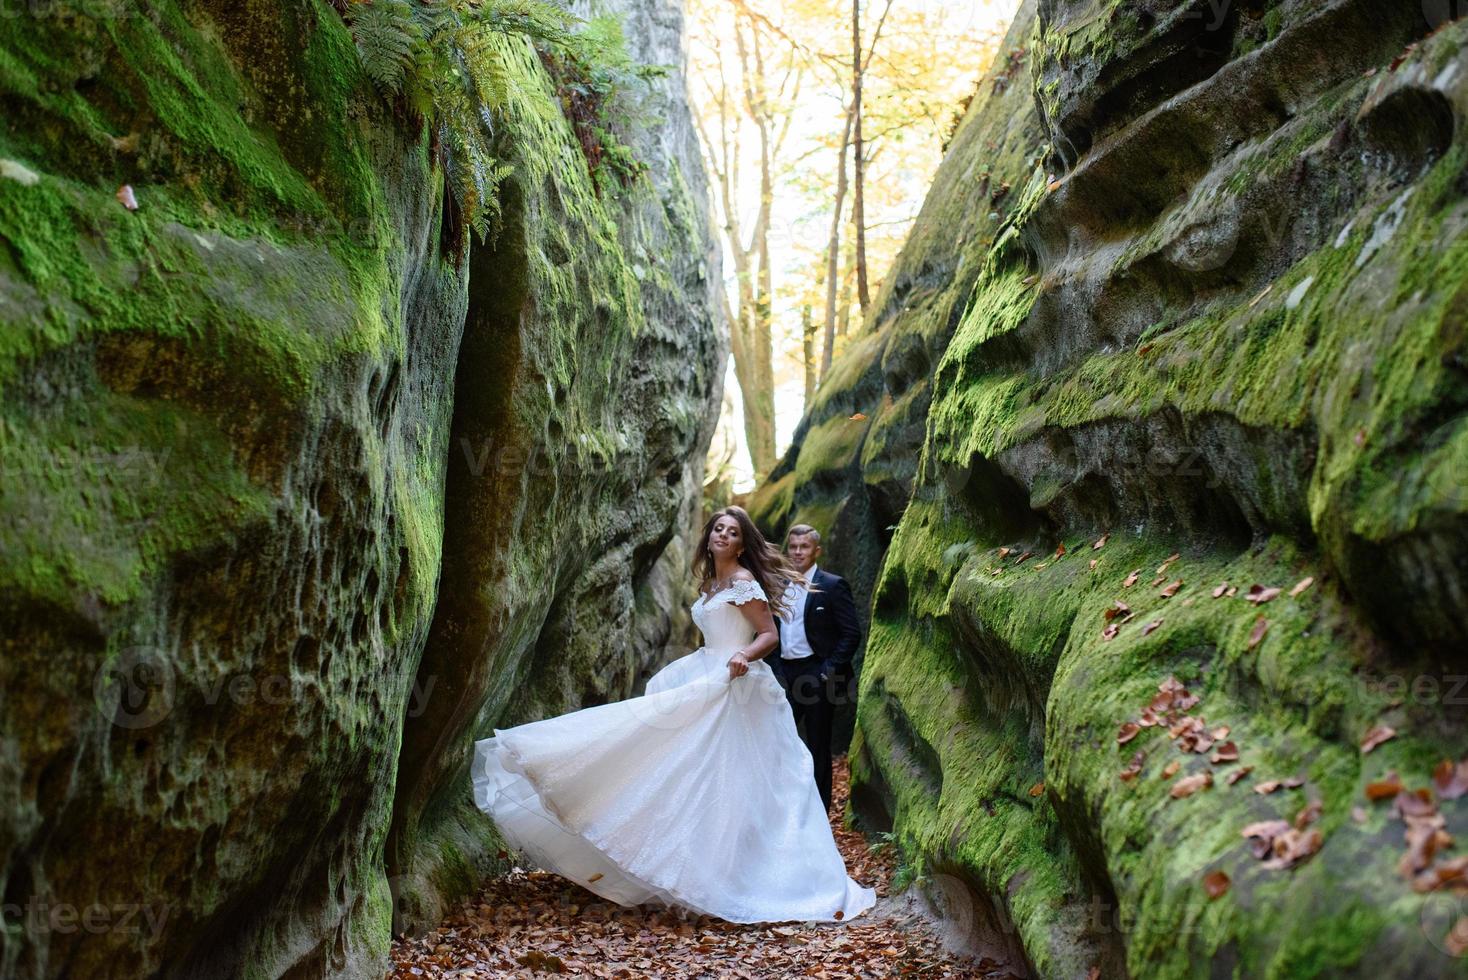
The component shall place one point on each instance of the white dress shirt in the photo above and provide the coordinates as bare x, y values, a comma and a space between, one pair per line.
793, 641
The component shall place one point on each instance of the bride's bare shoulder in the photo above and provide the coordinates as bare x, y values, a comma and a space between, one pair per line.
742, 575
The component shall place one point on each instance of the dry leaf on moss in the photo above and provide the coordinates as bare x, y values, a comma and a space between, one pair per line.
1189, 785
1385, 788
1261, 626
1451, 780
1376, 736
1238, 774
1258, 594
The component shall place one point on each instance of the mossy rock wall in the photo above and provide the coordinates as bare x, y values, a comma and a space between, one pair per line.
296, 498
588, 381
1223, 320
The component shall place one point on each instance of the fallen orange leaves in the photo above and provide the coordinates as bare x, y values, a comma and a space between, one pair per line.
530, 923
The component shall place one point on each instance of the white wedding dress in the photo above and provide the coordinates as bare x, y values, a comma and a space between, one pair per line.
698, 794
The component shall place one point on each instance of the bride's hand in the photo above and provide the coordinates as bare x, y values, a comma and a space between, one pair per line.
738, 666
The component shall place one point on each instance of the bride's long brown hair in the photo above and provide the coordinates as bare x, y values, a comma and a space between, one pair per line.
770, 568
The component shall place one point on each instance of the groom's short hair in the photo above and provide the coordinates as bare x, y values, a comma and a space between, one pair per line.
803, 530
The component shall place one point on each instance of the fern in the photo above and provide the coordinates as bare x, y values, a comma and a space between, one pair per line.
447, 59
907, 874
387, 36
543, 23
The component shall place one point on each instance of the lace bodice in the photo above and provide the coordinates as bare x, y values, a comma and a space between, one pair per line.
722, 624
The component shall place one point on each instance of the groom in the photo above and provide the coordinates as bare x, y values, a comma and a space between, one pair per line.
818, 638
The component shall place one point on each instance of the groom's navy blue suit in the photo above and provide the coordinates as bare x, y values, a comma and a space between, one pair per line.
811, 682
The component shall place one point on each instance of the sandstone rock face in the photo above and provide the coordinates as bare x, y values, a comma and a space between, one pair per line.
574, 478
296, 500
1221, 319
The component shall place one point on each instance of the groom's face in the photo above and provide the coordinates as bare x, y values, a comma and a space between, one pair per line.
802, 552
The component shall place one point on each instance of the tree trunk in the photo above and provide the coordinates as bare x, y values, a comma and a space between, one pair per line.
808, 350
858, 215
833, 250
749, 312
844, 304
751, 345
760, 398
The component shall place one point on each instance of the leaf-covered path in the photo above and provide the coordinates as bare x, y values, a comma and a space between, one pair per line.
532, 923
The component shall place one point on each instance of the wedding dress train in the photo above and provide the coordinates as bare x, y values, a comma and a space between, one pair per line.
698, 794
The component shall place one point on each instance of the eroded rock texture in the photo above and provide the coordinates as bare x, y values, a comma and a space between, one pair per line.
295, 499
1218, 313
590, 369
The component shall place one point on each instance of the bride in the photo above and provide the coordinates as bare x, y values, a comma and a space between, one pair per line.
697, 794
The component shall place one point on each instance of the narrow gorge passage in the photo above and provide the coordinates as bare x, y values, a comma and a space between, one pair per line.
374, 375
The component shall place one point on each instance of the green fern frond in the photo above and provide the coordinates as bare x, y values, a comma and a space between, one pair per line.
544, 23
387, 38
459, 64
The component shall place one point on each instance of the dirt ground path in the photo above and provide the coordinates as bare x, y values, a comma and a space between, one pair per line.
534, 924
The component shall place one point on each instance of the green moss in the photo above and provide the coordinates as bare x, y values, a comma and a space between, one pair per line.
770, 503
78, 482
830, 446
959, 772
1274, 22
199, 167
985, 675
855, 360
823, 516
978, 700
1282, 364
372, 921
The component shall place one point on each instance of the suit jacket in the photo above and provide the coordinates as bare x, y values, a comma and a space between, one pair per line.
830, 625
